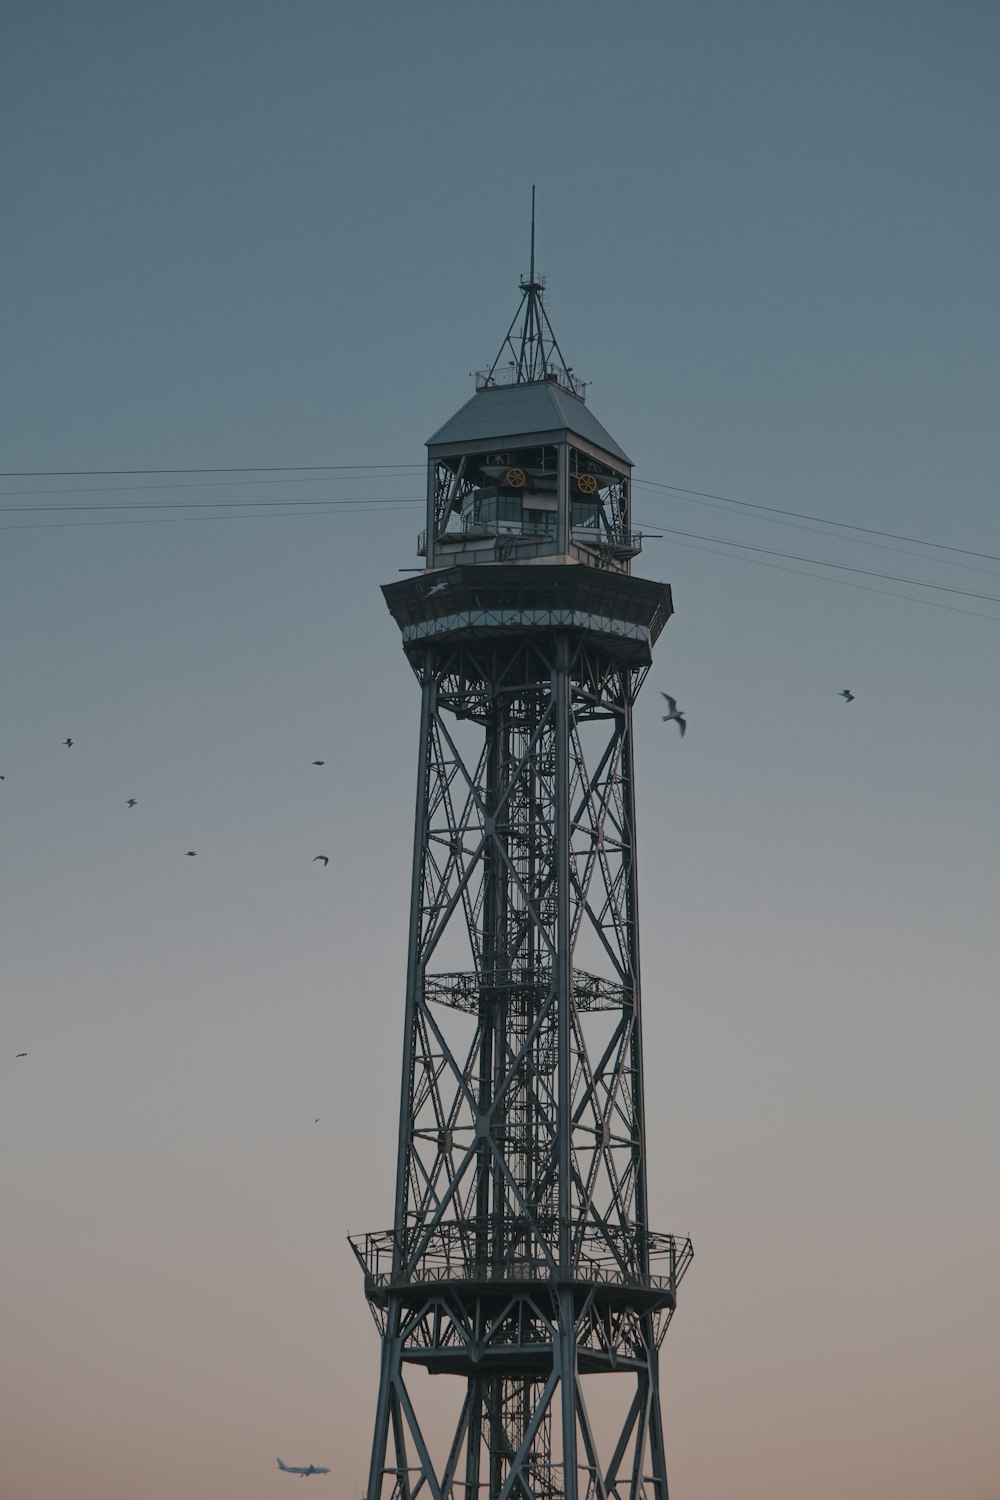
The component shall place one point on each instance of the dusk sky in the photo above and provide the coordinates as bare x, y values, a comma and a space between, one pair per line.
238, 235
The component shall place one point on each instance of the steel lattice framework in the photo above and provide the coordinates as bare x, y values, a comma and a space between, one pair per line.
520, 1259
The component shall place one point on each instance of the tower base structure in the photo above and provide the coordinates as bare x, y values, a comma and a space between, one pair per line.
521, 1263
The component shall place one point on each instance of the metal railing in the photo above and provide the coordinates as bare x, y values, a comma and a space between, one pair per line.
498, 1250
618, 543
507, 375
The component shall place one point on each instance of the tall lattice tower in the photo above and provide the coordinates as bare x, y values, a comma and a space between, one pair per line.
520, 1262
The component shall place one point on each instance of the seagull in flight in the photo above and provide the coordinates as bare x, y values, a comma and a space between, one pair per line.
319, 762
673, 714
847, 695
438, 588
22, 1054
132, 802
324, 857
67, 742
192, 853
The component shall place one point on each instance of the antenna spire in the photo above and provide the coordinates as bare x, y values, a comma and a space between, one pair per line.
532, 272
535, 352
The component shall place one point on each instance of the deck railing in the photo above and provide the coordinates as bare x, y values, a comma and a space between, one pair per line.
486, 1250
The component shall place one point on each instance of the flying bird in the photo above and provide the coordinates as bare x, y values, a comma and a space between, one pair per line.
324, 857
847, 695
22, 1054
67, 743
319, 762
131, 802
316, 1121
673, 714
192, 853
437, 588
309, 1469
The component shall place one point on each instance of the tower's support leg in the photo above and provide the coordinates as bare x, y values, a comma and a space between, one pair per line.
657, 1453
565, 1362
384, 1407
474, 1439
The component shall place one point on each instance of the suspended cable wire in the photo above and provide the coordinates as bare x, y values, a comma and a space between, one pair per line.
866, 588
283, 515
200, 484
231, 469
833, 536
802, 516
822, 563
358, 501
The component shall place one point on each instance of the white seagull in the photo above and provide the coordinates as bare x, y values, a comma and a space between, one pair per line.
673, 714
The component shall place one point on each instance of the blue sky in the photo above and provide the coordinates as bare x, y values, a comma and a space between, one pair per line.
257, 234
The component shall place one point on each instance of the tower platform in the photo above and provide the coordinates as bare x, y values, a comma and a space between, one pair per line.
479, 601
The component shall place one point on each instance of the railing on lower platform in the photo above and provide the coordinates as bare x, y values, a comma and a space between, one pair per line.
501, 1250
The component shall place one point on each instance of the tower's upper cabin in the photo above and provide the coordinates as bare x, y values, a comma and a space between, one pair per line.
524, 471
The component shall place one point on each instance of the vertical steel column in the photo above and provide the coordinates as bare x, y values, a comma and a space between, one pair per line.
657, 1450
414, 963
565, 1363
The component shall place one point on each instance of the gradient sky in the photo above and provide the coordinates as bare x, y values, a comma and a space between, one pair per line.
239, 233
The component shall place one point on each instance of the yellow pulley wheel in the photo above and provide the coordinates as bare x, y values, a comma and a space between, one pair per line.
586, 484
514, 479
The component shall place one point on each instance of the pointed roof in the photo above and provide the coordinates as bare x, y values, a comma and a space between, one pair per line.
525, 410
536, 396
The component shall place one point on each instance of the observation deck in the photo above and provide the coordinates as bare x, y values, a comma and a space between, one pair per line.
625, 615
639, 1269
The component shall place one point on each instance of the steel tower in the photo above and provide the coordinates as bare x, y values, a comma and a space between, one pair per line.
520, 1261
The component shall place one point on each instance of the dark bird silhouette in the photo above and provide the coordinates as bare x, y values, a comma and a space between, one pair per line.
67, 743
319, 762
22, 1054
847, 695
324, 857
673, 714
192, 853
132, 802
316, 1121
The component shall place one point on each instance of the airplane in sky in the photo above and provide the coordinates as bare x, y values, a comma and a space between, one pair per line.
309, 1469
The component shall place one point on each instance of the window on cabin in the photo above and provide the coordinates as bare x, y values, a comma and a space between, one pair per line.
587, 514
493, 506
539, 522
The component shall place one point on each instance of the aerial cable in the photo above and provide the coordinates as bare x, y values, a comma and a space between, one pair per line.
357, 501
801, 516
246, 469
194, 484
272, 515
857, 540
841, 567
866, 588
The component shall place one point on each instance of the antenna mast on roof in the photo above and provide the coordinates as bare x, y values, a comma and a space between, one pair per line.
536, 354
532, 231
